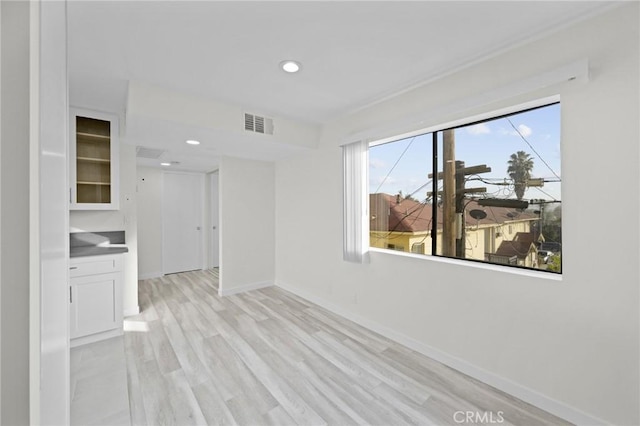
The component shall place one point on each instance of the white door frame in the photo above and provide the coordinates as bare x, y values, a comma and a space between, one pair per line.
202, 245
214, 203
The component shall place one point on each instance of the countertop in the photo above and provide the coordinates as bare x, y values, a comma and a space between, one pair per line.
97, 250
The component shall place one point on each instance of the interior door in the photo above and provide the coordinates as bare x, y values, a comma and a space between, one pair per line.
182, 218
215, 232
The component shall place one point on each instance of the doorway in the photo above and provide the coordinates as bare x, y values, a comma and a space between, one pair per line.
182, 222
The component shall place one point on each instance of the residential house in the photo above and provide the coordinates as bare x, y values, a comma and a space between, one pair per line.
505, 235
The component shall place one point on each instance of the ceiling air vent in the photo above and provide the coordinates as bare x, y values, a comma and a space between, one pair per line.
143, 152
258, 124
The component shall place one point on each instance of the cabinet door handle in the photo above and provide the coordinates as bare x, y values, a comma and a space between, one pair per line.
70, 294
70, 196
73, 267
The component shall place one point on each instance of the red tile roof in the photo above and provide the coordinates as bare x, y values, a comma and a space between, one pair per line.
514, 248
412, 216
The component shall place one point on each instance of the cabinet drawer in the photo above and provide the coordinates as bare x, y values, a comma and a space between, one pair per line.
95, 265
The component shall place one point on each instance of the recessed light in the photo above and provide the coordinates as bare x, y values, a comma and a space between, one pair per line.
290, 66
193, 142
165, 164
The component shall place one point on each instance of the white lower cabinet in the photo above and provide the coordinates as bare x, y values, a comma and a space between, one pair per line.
95, 297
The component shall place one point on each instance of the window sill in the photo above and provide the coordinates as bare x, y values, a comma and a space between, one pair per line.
468, 264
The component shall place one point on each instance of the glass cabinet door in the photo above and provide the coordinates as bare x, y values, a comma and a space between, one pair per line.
93, 161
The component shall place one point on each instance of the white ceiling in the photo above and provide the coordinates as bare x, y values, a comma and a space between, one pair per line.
353, 53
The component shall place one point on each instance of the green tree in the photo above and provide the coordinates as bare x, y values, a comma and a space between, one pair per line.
520, 167
406, 197
556, 264
552, 225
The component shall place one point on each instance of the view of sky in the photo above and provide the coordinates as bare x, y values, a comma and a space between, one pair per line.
491, 143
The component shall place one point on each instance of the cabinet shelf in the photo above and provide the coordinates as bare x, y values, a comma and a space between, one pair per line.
93, 136
93, 183
93, 160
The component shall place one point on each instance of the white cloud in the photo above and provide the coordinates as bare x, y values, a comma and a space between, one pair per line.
376, 163
388, 180
478, 129
524, 130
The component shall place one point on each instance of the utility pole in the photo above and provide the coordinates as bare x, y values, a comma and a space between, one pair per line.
449, 194
459, 216
453, 197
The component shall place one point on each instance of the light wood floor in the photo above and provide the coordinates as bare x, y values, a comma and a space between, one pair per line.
268, 357
99, 384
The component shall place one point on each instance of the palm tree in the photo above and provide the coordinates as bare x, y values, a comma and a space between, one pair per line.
520, 166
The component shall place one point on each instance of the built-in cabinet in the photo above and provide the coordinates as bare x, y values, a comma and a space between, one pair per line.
93, 160
95, 298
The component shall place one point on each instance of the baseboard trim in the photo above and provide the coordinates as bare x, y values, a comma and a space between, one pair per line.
530, 396
149, 275
132, 311
243, 288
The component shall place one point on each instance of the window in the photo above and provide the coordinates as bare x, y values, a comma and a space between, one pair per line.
417, 248
487, 191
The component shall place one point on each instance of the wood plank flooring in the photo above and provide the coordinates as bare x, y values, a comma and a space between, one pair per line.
268, 357
99, 384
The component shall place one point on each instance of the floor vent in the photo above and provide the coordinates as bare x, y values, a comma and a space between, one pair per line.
258, 124
143, 152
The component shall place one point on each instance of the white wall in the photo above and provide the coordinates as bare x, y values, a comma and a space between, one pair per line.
570, 346
115, 220
247, 218
49, 305
14, 219
1, 120
149, 184
34, 226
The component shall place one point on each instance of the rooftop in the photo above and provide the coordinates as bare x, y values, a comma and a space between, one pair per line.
407, 215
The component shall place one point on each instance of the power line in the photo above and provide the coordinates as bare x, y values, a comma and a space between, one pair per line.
396, 163
533, 149
420, 188
420, 206
547, 194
